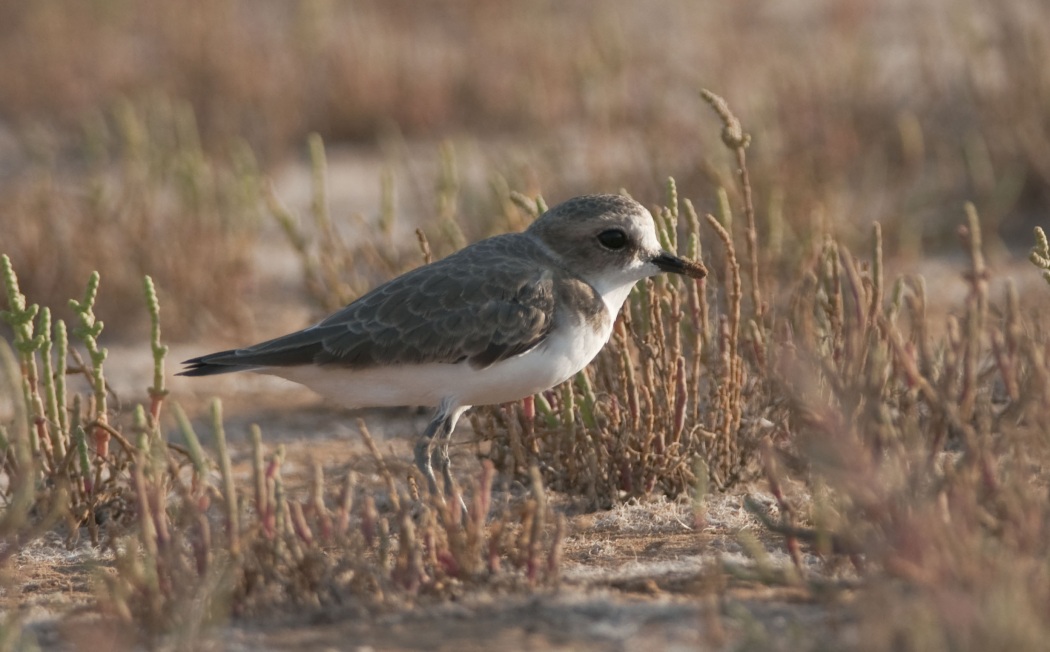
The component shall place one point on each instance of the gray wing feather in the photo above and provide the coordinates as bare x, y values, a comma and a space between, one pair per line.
479, 305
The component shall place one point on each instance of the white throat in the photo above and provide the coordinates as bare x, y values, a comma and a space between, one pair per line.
615, 296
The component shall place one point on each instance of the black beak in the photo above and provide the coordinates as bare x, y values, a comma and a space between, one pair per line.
675, 265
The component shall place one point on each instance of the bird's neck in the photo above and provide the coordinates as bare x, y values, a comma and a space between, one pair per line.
614, 298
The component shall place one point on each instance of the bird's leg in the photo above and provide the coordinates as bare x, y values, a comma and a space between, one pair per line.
440, 453
432, 448
424, 447
445, 464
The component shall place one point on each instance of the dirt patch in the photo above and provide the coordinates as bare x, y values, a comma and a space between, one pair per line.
642, 576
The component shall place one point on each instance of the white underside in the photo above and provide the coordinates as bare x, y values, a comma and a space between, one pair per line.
564, 353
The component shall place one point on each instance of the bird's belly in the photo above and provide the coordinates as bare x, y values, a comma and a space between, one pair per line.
556, 360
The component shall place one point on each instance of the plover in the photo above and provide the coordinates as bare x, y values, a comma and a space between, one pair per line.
499, 320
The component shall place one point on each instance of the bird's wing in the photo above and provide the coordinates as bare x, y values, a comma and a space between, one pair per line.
481, 305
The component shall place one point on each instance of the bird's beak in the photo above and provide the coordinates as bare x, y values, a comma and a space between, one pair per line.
675, 265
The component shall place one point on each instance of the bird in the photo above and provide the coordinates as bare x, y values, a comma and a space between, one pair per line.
497, 321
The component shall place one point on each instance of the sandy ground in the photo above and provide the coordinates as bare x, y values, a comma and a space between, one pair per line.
635, 578
639, 577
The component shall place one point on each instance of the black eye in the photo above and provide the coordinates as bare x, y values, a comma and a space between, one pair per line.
613, 239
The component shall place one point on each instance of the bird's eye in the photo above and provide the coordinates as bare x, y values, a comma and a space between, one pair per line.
613, 239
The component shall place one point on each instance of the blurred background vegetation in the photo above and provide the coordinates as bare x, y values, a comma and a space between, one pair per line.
127, 124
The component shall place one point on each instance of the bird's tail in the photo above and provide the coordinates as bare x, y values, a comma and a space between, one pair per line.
223, 362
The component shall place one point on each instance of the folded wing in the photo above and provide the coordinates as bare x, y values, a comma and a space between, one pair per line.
480, 305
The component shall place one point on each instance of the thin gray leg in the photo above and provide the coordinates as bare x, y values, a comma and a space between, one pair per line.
439, 453
432, 447
424, 445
